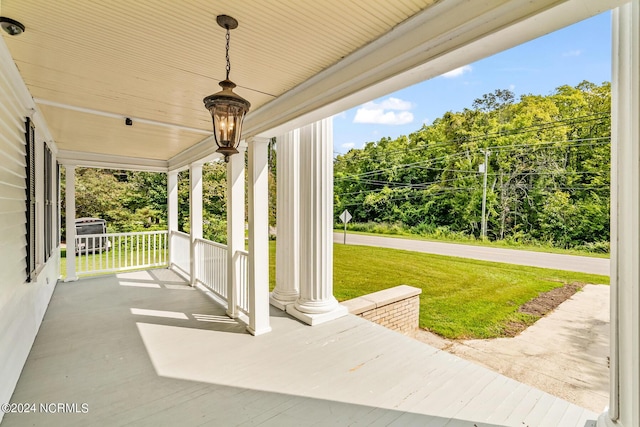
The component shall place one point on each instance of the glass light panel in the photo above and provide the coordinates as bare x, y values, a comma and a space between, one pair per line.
227, 120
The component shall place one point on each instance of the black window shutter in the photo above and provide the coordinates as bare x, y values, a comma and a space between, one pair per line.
30, 133
57, 207
48, 203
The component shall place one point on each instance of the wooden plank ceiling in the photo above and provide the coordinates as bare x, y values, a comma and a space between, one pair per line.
156, 59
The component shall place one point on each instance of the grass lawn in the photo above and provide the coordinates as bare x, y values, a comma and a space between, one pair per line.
461, 298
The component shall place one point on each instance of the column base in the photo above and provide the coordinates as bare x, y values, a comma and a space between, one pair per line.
257, 332
317, 318
605, 421
71, 279
280, 304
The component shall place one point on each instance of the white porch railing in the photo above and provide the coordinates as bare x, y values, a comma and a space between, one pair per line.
242, 261
211, 268
111, 252
180, 252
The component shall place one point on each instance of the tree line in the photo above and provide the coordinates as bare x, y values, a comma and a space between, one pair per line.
547, 173
547, 177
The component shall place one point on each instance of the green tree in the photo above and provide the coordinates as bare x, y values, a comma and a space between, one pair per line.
549, 155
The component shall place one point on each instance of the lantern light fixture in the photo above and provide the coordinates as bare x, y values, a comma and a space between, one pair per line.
226, 107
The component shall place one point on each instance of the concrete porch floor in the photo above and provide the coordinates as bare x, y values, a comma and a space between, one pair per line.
146, 349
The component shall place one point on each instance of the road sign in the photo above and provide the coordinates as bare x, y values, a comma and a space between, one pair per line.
345, 216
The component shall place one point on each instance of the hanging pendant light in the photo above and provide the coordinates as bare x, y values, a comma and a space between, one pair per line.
227, 108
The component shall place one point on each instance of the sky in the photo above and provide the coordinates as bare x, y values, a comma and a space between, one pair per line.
568, 56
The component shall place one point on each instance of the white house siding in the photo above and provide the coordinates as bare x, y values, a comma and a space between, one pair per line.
22, 304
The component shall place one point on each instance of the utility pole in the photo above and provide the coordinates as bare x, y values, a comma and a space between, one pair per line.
485, 168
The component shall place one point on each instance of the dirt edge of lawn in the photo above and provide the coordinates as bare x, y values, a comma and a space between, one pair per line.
541, 305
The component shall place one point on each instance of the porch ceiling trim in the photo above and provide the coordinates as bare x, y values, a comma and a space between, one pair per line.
120, 116
202, 152
441, 38
107, 161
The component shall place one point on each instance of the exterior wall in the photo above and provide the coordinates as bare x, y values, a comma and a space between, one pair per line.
22, 304
395, 308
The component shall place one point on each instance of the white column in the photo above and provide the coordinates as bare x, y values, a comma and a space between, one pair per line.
258, 237
287, 287
195, 215
624, 407
235, 227
316, 303
172, 212
70, 212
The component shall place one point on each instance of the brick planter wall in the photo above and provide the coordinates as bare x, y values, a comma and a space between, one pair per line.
396, 308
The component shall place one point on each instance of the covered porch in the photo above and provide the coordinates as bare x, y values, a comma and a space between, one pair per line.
118, 89
145, 348
237, 272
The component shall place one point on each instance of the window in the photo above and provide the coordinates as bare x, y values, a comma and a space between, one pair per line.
30, 136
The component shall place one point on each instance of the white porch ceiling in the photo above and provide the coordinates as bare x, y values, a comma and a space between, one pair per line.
90, 64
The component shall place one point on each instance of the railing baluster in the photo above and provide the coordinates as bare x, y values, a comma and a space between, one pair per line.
99, 251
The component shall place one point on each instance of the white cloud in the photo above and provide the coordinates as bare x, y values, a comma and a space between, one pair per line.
576, 52
348, 145
381, 117
377, 113
512, 87
457, 72
342, 115
394, 104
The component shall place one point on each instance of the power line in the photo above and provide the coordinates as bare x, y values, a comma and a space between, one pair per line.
540, 126
409, 196
603, 139
581, 142
446, 190
403, 165
418, 186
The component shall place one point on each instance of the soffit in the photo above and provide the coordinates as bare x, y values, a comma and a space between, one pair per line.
156, 60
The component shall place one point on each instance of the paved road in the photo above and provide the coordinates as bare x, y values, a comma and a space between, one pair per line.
511, 256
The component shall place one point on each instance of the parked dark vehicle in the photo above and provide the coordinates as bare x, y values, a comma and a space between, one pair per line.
91, 226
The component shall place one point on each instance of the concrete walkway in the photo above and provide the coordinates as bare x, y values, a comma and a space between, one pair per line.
512, 256
565, 353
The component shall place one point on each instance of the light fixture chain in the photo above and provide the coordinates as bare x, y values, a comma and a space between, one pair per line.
228, 61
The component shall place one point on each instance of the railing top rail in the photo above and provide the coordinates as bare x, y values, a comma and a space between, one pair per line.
180, 233
133, 233
243, 252
211, 243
